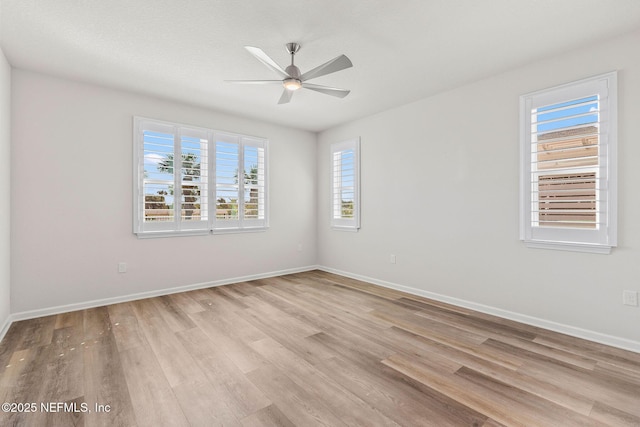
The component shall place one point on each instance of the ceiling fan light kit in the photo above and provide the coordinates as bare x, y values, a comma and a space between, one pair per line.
292, 84
293, 79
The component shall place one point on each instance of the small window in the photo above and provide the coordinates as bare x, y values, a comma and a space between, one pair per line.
220, 177
345, 185
568, 170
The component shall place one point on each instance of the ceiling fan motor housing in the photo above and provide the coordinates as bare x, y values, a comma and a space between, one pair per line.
293, 71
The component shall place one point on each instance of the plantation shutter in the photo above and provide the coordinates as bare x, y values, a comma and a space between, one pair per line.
254, 188
192, 197
155, 202
565, 165
191, 181
568, 186
345, 185
172, 190
240, 176
227, 181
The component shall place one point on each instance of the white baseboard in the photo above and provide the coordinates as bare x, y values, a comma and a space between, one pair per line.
522, 318
5, 326
32, 314
598, 337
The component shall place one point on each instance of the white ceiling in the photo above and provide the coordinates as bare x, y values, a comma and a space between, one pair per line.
402, 50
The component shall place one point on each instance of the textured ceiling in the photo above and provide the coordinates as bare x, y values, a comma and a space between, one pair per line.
402, 50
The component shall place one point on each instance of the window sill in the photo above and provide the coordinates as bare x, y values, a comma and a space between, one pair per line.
569, 246
351, 229
239, 230
161, 234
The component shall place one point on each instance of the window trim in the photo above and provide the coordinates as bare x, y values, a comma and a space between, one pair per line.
205, 227
572, 239
342, 224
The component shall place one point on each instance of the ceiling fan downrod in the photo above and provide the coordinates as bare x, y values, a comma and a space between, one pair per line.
293, 82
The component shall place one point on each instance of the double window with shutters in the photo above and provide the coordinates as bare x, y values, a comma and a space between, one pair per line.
568, 166
192, 180
345, 185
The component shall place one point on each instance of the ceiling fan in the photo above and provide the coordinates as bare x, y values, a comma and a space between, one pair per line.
293, 79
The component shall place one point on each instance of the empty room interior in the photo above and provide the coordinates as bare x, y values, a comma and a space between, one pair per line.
277, 213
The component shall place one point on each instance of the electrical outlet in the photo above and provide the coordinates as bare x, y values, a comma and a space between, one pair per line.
392, 259
122, 267
630, 298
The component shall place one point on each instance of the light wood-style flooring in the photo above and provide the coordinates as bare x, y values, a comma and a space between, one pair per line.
304, 350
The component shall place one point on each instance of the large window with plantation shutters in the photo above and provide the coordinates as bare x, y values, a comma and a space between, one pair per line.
191, 180
568, 166
345, 185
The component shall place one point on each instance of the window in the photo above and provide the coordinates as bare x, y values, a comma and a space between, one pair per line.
345, 185
568, 170
220, 177
240, 200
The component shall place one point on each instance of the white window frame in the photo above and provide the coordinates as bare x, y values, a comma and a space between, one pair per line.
242, 223
210, 223
603, 237
338, 222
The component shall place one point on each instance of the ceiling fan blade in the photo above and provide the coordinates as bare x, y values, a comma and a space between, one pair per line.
333, 91
254, 82
286, 96
266, 60
336, 64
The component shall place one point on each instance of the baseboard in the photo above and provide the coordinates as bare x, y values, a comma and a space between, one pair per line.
598, 337
32, 314
573, 331
5, 326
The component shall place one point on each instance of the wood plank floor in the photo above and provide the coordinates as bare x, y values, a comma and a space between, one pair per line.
304, 350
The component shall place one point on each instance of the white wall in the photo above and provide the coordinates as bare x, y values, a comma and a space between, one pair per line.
71, 199
440, 191
5, 175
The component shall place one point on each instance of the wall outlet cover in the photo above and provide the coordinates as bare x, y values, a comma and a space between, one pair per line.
630, 298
